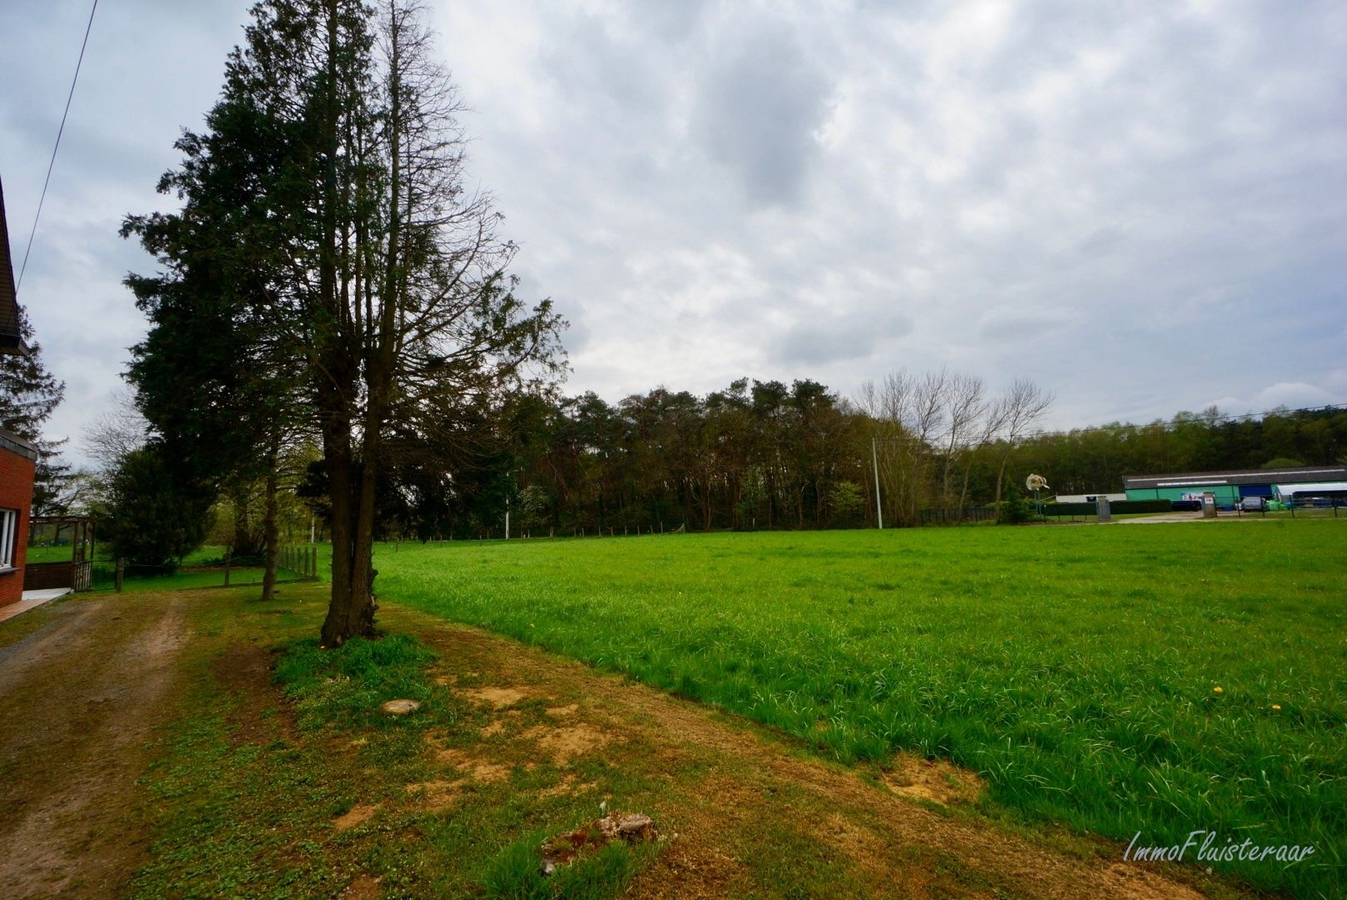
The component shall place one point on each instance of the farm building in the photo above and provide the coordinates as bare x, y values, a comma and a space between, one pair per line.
1231, 487
1088, 498
18, 457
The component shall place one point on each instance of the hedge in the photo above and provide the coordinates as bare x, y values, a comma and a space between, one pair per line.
1117, 507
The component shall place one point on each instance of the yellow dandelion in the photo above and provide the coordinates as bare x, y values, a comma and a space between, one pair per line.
1276, 707
1218, 690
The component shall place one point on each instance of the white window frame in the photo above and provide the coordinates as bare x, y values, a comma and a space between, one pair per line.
9, 532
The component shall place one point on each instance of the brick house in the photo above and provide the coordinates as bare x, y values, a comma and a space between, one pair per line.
18, 458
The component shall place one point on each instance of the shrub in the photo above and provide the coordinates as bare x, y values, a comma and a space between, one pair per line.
847, 502
152, 513
1014, 510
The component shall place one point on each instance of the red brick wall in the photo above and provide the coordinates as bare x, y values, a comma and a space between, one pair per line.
16, 492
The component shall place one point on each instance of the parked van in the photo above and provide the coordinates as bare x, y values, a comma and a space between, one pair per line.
1253, 504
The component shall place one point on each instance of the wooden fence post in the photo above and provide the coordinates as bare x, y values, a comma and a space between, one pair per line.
121, 573
229, 555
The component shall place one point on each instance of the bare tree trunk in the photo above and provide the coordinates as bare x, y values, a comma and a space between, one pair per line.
242, 541
963, 488
361, 608
337, 450
333, 395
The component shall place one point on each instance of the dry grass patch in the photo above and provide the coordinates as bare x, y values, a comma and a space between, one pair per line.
436, 795
568, 786
472, 766
495, 697
565, 745
936, 780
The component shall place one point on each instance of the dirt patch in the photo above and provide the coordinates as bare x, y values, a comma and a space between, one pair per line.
358, 815
362, 888
936, 780
259, 717
495, 697
474, 767
495, 728
565, 745
562, 712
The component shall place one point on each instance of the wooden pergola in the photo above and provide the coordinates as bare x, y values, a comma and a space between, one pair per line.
77, 572
82, 533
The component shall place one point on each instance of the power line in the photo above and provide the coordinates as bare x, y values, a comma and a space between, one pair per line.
60, 131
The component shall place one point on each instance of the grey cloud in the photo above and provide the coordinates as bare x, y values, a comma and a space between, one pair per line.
1022, 322
757, 107
839, 336
1294, 395
798, 189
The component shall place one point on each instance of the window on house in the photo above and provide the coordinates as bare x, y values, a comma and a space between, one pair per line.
9, 528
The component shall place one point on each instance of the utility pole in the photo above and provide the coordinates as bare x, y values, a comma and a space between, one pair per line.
879, 509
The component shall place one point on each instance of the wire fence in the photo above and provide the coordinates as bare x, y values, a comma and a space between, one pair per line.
293, 563
956, 515
1317, 508
1297, 508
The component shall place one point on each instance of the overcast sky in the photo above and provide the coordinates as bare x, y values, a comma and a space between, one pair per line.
1140, 206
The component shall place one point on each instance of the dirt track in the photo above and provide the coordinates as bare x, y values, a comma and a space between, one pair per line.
79, 700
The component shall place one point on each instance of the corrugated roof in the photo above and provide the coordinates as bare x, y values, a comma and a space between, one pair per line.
1300, 474
10, 338
1319, 487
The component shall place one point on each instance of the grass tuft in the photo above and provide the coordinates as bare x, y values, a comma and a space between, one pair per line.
515, 873
343, 688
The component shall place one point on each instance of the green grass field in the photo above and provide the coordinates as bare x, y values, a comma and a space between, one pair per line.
49, 554
1156, 679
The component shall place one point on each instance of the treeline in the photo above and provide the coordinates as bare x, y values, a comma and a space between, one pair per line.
767, 455
1086, 460
756, 455
761, 455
